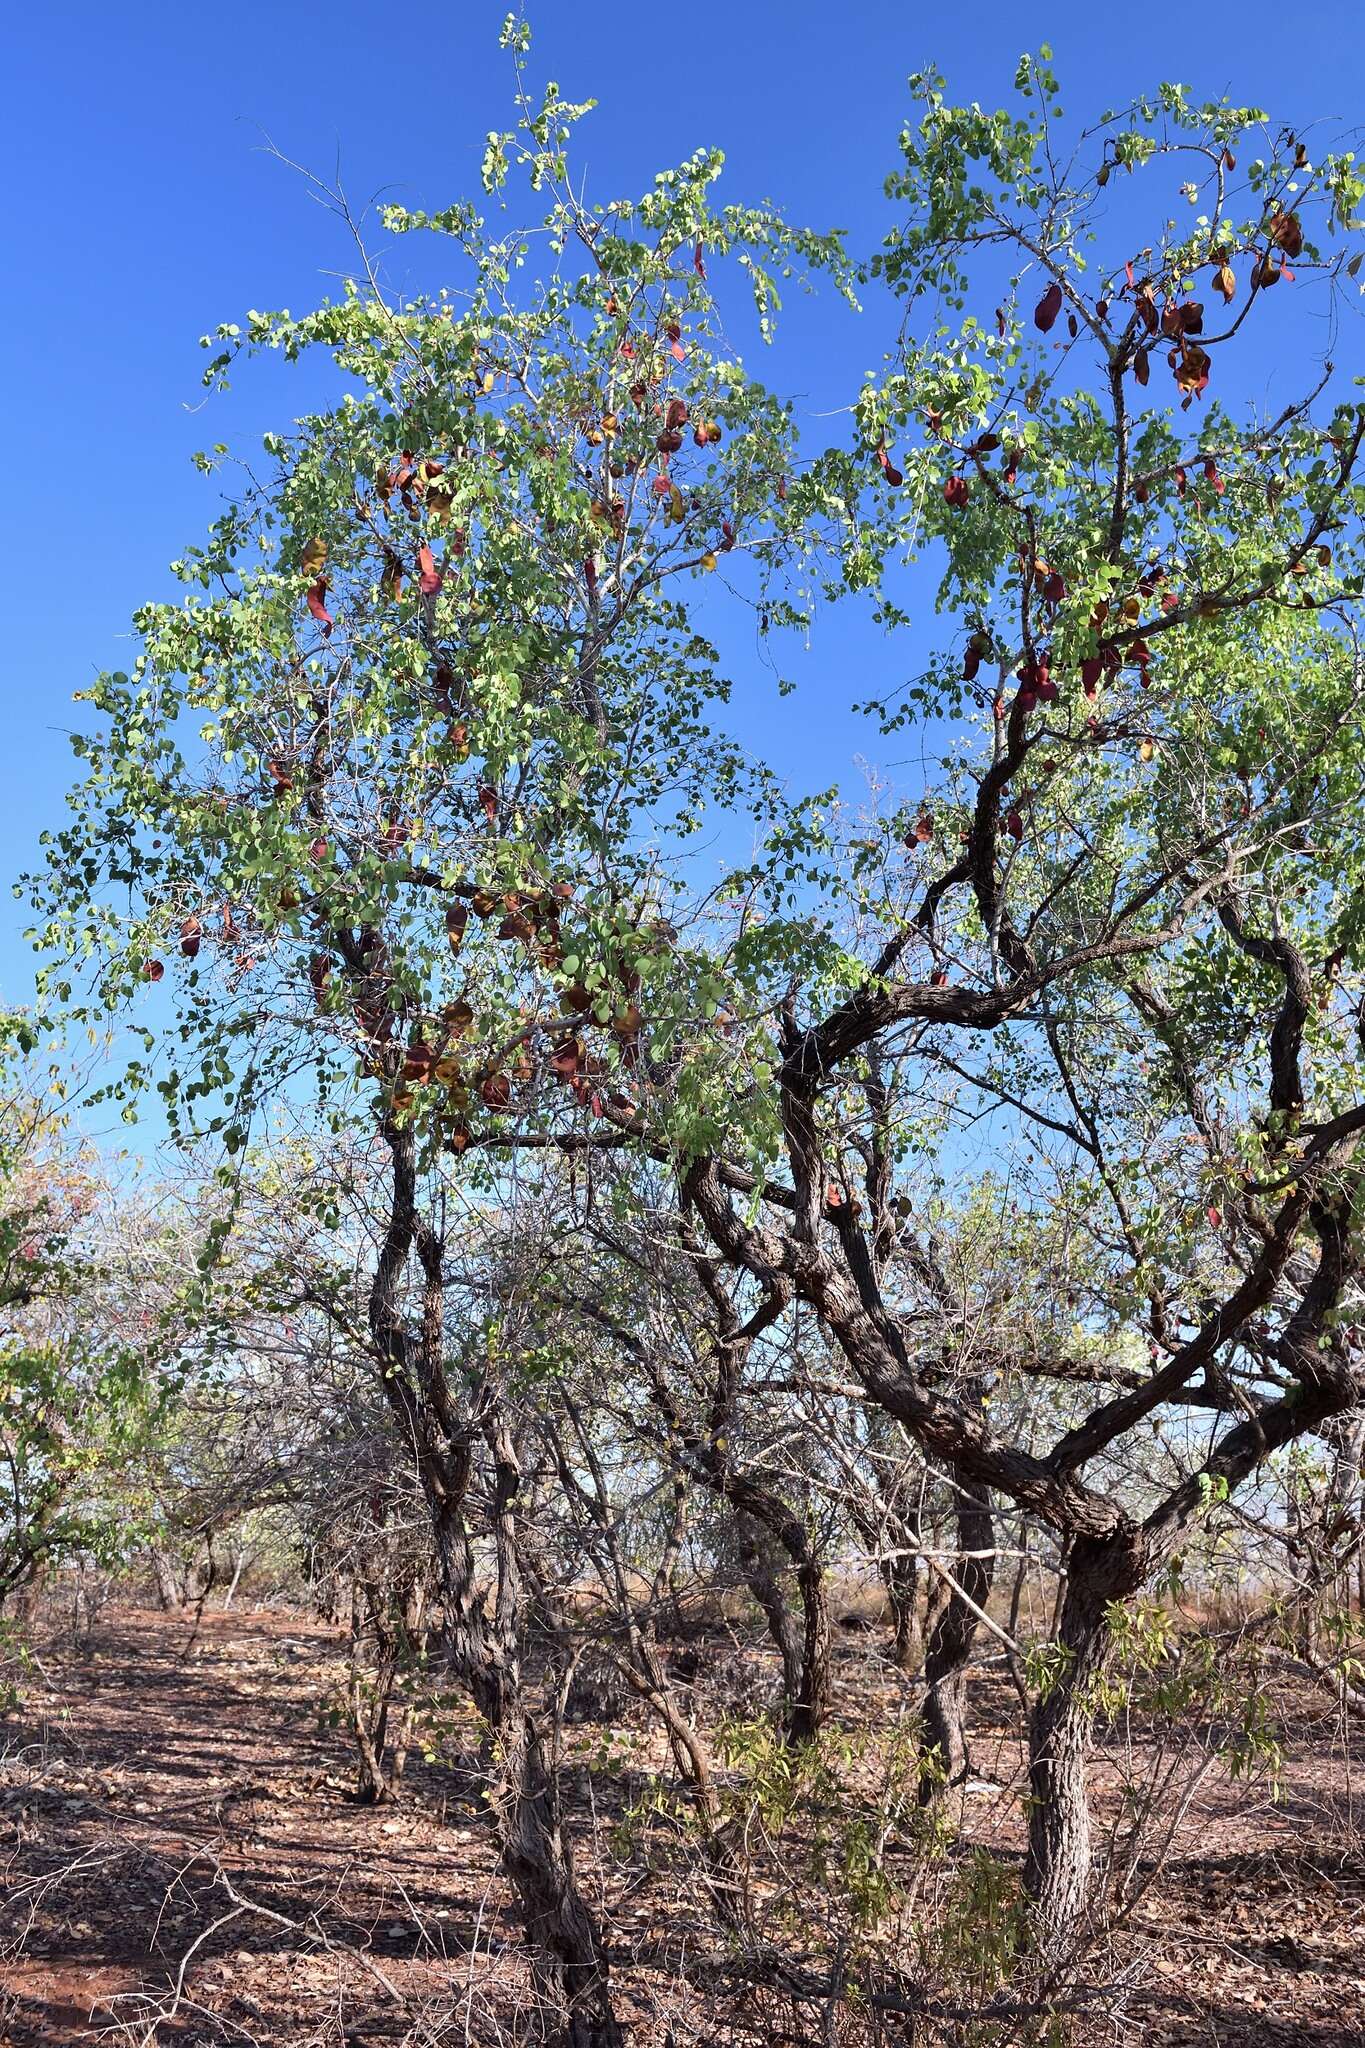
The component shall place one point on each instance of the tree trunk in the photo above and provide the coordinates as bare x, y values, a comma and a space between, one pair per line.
571, 1963
811, 1705
900, 1577
762, 1575
1058, 1877
951, 1643
567, 1954
568, 1957
168, 1592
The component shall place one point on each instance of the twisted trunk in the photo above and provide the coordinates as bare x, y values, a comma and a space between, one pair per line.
567, 1954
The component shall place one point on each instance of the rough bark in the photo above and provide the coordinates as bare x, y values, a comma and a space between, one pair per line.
766, 1527
951, 1642
762, 1575
1058, 1873
900, 1578
168, 1593
568, 1957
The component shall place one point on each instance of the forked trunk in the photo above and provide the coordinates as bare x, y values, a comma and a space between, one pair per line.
567, 1956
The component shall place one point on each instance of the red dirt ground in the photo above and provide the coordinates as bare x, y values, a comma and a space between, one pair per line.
162, 1767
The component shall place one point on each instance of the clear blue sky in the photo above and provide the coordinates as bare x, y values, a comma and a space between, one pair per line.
141, 209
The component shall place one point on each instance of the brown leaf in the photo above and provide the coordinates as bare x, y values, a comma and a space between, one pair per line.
1286, 232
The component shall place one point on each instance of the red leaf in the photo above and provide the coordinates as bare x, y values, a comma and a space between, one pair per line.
430, 578
419, 1062
497, 1091
971, 662
488, 797
924, 828
314, 597
457, 917
698, 263
154, 970
590, 573
1091, 670
1047, 308
1215, 1217
567, 1058
1211, 472
189, 937
956, 492
318, 849
1014, 825
889, 470
894, 477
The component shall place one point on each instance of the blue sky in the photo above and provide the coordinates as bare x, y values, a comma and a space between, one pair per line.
143, 207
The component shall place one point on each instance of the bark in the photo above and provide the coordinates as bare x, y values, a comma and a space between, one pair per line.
764, 1525
762, 1575
951, 1644
1058, 1874
812, 1701
168, 1592
900, 1578
567, 1954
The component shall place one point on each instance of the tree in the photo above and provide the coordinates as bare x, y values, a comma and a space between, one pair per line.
457, 731
376, 787
1128, 931
88, 1328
